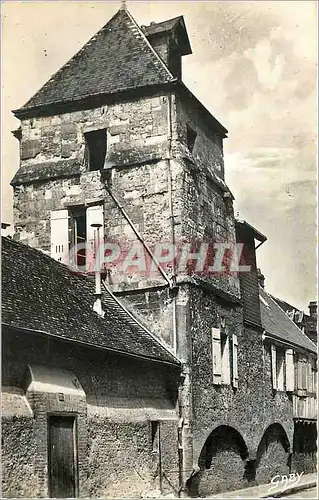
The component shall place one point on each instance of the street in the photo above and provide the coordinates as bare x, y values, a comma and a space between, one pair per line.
311, 493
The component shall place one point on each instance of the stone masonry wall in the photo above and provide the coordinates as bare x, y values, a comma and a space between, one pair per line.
207, 212
19, 474
249, 410
53, 174
115, 456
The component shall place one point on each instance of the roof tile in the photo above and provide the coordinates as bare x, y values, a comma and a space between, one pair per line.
117, 58
41, 294
276, 322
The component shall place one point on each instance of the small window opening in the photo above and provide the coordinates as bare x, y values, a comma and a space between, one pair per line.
79, 234
155, 436
191, 138
96, 144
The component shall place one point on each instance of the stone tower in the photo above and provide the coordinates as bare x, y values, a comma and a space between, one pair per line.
116, 138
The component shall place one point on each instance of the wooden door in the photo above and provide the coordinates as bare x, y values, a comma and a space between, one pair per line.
62, 457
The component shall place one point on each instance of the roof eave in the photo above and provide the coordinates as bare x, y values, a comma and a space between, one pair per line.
256, 234
288, 342
208, 114
31, 111
176, 364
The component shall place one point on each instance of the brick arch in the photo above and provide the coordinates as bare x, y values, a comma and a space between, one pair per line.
273, 453
221, 463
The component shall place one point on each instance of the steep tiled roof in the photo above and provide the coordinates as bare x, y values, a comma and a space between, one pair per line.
276, 322
41, 294
117, 58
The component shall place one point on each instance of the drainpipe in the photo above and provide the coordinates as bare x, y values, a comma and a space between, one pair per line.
185, 445
97, 306
171, 209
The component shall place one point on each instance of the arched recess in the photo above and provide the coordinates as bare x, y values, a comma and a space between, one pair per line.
221, 463
273, 454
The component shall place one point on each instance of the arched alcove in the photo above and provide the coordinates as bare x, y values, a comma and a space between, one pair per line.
272, 454
221, 463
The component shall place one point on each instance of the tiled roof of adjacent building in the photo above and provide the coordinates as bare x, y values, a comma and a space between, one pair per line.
278, 324
42, 295
119, 57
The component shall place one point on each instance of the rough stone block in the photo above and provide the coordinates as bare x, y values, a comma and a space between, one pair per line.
30, 149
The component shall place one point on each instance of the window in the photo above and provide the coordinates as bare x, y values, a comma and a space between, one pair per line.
302, 373
154, 436
224, 358
79, 234
76, 222
191, 138
96, 144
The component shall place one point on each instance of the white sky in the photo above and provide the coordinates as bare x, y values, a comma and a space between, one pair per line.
253, 66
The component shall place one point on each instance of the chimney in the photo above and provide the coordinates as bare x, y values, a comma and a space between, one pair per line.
261, 278
170, 40
313, 309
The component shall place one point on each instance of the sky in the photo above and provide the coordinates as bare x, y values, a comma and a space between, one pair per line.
253, 66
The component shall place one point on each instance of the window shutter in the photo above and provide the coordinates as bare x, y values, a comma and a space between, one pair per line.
314, 375
280, 370
216, 351
290, 371
225, 360
299, 373
273, 367
94, 215
304, 373
235, 357
59, 234
309, 376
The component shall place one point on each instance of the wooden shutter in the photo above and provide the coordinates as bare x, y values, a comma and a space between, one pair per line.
290, 371
280, 370
234, 359
216, 352
59, 234
273, 366
309, 376
304, 374
94, 215
225, 360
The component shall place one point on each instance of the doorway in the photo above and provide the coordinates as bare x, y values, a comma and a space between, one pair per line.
62, 456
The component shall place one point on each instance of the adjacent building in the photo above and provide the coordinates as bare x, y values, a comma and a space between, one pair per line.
116, 139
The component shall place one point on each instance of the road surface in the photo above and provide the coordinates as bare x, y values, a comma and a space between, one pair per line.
311, 493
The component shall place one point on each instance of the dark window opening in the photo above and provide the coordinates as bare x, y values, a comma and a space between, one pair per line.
155, 436
79, 235
191, 138
96, 144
